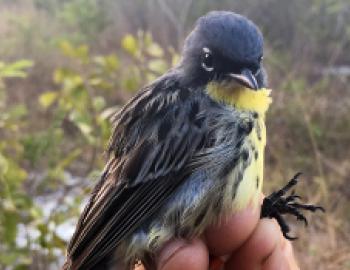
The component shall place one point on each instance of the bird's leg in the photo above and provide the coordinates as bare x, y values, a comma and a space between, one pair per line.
277, 204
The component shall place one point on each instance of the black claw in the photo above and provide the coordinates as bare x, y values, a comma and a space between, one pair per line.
290, 238
302, 218
276, 205
321, 209
289, 185
292, 198
297, 175
309, 207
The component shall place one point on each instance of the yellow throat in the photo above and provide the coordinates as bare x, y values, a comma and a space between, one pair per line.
242, 98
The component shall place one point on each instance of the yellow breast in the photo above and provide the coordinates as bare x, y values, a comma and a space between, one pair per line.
249, 189
243, 99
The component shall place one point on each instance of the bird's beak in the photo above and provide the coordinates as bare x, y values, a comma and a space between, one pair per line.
245, 78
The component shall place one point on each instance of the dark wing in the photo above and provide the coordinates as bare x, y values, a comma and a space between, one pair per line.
155, 135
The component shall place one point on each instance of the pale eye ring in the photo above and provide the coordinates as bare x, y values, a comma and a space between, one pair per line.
207, 60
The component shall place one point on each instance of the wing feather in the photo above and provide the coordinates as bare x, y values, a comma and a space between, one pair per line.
154, 137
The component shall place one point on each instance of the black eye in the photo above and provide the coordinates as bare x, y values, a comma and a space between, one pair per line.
261, 58
207, 60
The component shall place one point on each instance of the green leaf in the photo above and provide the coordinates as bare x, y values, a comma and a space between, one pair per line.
155, 50
99, 103
66, 48
8, 206
175, 59
15, 69
129, 44
47, 98
3, 165
83, 122
36, 212
15, 174
84, 128
109, 63
157, 65
81, 52
58, 242
112, 62
21, 64
131, 84
70, 158
10, 226
18, 111
12, 73
8, 258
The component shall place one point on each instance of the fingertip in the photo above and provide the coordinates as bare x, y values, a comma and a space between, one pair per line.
231, 232
289, 254
266, 238
276, 261
181, 254
262, 243
282, 256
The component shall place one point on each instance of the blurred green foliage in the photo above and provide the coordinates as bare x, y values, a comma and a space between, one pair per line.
78, 126
15, 206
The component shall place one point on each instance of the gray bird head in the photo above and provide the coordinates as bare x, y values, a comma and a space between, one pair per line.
224, 47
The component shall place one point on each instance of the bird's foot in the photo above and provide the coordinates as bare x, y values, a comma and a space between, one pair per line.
277, 204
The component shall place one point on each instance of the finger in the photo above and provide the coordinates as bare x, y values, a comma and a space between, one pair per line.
232, 231
265, 239
289, 254
182, 254
276, 261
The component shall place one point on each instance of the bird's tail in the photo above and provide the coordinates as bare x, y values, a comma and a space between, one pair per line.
102, 265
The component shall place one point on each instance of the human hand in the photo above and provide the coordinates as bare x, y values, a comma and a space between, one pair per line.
243, 240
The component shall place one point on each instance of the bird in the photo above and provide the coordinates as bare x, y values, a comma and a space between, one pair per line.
185, 151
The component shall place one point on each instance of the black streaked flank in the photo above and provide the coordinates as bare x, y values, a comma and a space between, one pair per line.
245, 127
237, 182
258, 132
245, 155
